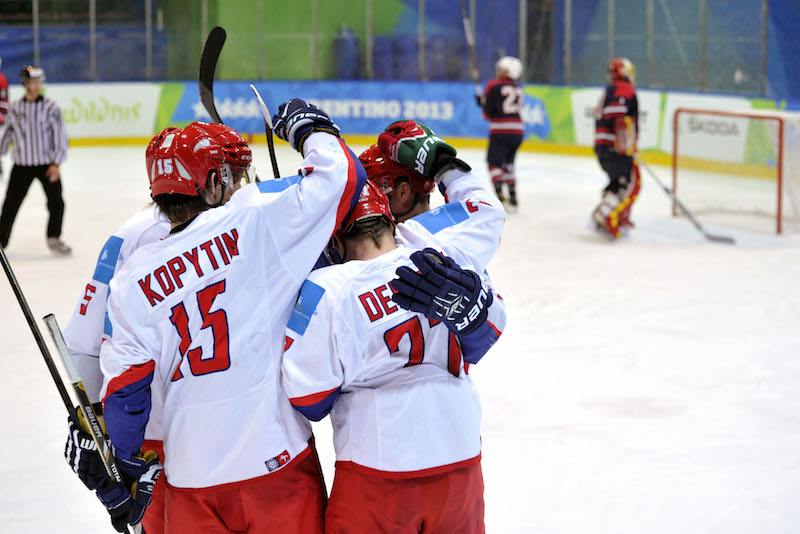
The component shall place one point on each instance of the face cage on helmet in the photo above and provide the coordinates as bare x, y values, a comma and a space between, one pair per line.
228, 174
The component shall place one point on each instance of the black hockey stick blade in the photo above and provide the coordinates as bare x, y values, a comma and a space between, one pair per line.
711, 237
37, 335
268, 127
208, 65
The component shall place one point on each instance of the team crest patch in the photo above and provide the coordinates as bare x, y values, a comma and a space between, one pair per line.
278, 462
306, 305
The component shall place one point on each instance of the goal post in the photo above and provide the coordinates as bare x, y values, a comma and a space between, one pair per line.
738, 163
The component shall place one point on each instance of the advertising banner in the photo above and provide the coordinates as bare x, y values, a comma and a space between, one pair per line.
360, 108
584, 103
701, 136
553, 115
104, 110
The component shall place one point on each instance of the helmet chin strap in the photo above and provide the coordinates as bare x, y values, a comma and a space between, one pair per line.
201, 193
409, 210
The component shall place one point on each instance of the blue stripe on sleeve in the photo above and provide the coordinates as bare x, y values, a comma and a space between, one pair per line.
318, 411
475, 344
310, 295
281, 184
444, 216
107, 328
107, 261
127, 412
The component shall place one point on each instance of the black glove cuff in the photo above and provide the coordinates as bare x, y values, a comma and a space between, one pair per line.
308, 130
445, 162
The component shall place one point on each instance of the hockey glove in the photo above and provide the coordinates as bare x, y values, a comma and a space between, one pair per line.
415, 145
296, 119
443, 291
126, 503
480, 99
82, 456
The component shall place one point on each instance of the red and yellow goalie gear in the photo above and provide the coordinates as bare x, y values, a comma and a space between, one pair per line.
624, 135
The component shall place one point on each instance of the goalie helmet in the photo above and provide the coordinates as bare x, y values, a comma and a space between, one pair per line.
31, 73
181, 160
385, 173
510, 67
371, 203
621, 68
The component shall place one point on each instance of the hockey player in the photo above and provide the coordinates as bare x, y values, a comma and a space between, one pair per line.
405, 414
409, 196
615, 144
3, 96
183, 313
88, 328
501, 103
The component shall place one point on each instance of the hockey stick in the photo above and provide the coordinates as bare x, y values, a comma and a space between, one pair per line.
268, 128
208, 64
86, 406
473, 59
711, 237
37, 334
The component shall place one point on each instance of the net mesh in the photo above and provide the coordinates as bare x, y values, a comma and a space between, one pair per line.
726, 167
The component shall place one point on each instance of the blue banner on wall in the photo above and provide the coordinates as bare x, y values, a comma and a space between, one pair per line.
360, 108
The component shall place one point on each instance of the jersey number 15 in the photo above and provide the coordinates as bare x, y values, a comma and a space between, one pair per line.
217, 320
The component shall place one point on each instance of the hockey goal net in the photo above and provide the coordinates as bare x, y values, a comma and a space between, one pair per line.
739, 168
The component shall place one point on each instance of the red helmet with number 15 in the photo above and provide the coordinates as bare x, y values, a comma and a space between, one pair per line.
181, 161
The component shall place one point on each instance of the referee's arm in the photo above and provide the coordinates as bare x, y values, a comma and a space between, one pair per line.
59, 136
59, 133
8, 134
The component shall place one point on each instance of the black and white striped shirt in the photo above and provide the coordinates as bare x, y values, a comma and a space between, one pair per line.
37, 132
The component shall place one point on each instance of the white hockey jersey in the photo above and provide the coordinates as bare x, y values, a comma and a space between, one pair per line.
200, 316
89, 326
404, 405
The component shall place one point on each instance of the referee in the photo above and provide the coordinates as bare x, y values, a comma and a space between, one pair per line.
35, 128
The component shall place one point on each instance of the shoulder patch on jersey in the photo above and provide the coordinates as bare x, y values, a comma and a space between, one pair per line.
444, 216
107, 261
310, 295
281, 184
108, 330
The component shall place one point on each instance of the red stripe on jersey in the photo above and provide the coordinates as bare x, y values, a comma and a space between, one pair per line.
410, 474
350, 189
496, 331
133, 374
311, 400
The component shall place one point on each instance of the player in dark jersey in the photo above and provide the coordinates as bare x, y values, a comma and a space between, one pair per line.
501, 104
615, 144
3, 96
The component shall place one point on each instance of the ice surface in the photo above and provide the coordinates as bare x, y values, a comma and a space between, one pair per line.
645, 386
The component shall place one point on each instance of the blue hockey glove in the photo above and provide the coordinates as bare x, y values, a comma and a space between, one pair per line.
126, 503
82, 456
296, 119
443, 291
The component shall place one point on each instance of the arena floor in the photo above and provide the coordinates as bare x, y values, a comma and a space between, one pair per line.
644, 386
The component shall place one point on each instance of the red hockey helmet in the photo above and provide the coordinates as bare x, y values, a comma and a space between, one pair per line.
150, 151
385, 173
621, 68
180, 161
371, 203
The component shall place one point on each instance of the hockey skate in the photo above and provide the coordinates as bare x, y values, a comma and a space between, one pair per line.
58, 246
